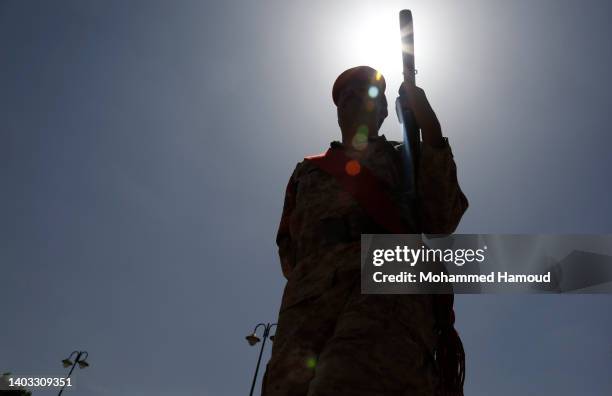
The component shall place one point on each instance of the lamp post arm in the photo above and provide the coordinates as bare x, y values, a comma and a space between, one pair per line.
257, 327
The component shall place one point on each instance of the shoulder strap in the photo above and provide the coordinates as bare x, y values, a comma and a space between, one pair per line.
364, 186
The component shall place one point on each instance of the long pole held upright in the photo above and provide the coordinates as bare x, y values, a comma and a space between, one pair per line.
412, 135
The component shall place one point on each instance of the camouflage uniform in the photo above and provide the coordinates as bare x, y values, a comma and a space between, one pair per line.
331, 339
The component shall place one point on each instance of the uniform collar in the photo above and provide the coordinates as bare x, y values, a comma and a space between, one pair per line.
380, 138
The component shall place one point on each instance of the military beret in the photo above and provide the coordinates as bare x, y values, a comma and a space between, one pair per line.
359, 73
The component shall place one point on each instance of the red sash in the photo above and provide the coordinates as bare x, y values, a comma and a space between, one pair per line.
364, 186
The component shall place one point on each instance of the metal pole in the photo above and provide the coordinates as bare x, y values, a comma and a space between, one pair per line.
265, 336
71, 369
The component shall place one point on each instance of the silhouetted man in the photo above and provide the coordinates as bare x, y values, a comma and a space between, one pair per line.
331, 339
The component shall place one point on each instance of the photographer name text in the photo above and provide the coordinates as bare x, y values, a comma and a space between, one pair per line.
442, 277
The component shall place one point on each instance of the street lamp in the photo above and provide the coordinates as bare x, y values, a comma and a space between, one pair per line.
80, 358
253, 339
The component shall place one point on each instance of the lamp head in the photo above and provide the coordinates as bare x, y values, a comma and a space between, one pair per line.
252, 339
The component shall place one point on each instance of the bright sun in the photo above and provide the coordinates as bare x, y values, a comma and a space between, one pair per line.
372, 37
374, 42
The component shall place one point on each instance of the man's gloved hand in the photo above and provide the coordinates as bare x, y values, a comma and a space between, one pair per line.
414, 99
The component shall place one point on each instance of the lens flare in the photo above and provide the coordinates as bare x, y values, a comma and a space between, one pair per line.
373, 91
360, 140
352, 168
311, 363
369, 106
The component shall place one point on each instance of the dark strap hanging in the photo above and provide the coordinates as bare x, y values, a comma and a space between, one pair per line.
450, 356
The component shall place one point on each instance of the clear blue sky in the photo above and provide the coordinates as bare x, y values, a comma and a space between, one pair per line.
145, 147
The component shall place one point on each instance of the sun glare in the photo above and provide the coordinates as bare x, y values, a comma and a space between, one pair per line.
371, 36
378, 44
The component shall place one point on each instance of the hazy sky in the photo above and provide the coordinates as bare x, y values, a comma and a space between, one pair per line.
145, 147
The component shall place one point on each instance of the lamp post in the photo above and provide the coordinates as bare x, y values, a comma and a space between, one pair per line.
253, 339
78, 359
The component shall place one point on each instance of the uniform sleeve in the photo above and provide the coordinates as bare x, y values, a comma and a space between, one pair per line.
286, 246
442, 202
